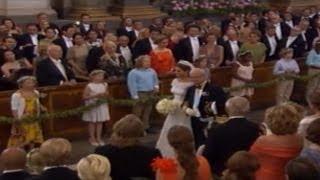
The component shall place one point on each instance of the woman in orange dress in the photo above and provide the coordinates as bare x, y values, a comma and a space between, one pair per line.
162, 59
187, 165
274, 151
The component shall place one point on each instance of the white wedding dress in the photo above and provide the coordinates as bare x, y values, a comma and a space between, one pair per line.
178, 89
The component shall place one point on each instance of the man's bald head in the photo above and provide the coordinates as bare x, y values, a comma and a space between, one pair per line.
13, 158
198, 76
54, 51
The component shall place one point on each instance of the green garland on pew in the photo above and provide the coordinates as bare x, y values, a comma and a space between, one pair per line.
304, 78
131, 102
80, 110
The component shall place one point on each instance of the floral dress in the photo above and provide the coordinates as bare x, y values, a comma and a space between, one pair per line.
28, 132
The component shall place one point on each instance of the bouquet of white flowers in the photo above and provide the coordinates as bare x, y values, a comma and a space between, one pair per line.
167, 106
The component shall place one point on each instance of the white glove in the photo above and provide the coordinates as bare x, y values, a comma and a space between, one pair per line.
190, 112
214, 108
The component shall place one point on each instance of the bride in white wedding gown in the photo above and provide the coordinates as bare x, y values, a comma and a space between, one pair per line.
179, 88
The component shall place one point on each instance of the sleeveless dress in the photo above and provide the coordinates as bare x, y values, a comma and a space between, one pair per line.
244, 72
30, 132
178, 89
100, 113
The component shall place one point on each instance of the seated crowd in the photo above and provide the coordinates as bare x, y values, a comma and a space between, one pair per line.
286, 146
87, 46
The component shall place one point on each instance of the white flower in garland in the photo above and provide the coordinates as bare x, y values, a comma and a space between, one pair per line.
167, 106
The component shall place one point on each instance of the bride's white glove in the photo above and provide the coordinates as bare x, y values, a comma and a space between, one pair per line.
190, 112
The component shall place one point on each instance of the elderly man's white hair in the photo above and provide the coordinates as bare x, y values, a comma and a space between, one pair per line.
53, 47
197, 71
237, 106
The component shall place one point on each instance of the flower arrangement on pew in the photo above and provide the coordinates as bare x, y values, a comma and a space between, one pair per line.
205, 7
167, 106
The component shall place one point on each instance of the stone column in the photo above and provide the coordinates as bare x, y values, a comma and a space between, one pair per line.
135, 9
96, 8
25, 8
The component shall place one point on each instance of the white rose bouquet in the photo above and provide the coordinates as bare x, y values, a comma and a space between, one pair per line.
167, 106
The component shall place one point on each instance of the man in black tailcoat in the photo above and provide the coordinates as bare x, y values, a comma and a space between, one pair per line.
202, 102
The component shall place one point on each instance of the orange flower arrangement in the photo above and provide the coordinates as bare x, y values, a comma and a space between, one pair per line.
164, 165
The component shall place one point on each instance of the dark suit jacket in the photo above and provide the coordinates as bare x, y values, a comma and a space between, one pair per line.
225, 139
210, 94
183, 50
298, 46
224, 25
142, 47
310, 35
129, 161
59, 173
93, 58
285, 30
48, 74
123, 31
266, 42
119, 51
28, 52
262, 24
228, 54
60, 42
83, 30
21, 175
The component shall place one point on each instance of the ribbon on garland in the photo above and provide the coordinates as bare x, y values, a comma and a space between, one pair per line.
131, 102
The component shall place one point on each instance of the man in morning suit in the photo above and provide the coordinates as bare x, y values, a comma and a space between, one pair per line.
231, 47
296, 42
85, 26
145, 46
271, 41
201, 102
234, 135
14, 163
189, 47
66, 40
53, 71
29, 41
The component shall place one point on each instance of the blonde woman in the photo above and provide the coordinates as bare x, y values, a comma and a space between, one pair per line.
25, 102
94, 167
111, 62
56, 152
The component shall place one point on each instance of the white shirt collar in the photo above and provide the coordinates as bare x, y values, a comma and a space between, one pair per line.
124, 47
12, 171
67, 38
129, 28
52, 167
55, 60
236, 117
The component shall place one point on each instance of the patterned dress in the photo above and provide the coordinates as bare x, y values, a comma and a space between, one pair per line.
28, 132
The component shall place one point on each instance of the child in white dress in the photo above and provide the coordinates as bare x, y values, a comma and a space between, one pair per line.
242, 73
96, 89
